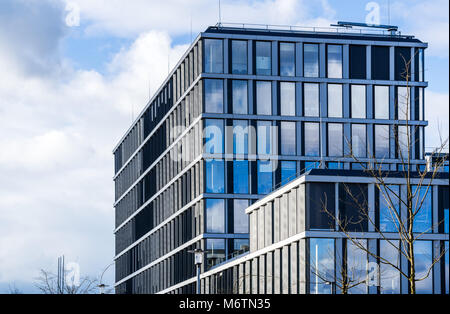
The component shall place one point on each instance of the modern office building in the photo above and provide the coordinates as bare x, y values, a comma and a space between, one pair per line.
245, 111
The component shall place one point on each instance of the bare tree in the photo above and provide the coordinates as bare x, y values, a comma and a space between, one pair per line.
12, 289
403, 207
47, 283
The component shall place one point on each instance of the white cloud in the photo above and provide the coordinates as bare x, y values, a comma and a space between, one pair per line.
56, 165
437, 113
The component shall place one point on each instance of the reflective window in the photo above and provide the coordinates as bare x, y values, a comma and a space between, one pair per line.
402, 142
288, 171
264, 136
264, 176
423, 205
287, 99
215, 216
359, 140
213, 96
334, 100
240, 97
335, 140
213, 55
389, 276
240, 137
382, 140
334, 56
239, 57
389, 203
421, 107
447, 270
311, 100
311, 60
381, 102
215, 176
357, 266
264, 98
421, 67
288, 138
423, 255
263, 58
312, 139
240, 246
321, 265
358, 95
214, 136
240, 217
240, 176
311, 165
287, 59
403, 103
215, 252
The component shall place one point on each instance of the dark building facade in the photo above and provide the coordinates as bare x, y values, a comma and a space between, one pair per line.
242, 113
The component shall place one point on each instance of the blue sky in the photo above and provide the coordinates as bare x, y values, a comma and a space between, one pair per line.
68, 92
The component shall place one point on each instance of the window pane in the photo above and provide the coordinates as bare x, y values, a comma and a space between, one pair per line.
422, 204
240, 176
381, 102
240, 217
447, 268
288, 138
240, 97
239, 56
213, 56
264, 176
423, 254
335, 140
215, 252
287, 59
389, 276
264, 98
311, 165
263, 58
213, 96
357, 266
402, 142
213, 136
311, 60
358, 101
321, 265
311, 99
287, 99
312, 139
359, 144
240, 137
288, 171
389, 203
264, 136
382, 141
215, 176
334, 61
215, 216
335, 100
403, 103
240, 246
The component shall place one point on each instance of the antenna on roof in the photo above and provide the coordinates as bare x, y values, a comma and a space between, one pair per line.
389, 11
220, 14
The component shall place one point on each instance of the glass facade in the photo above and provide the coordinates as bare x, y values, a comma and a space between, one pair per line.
287, 99
381, 101
288, 171
215, 252
359, 140
311, 100
403, 103
334, 58
287, 59
215, 181
264, 98
240, 218
423, 256
240, 96
213, 55
264, 131
389, 208
311, 139
239, 57
423, 205
389, 276
240, 137
215, 216
335, 140
311, 60
213, 96
265, 169
382, 141
240, 177
322, 266
335, 100
358, 109
357, 266
263, 58
288, 138
214, 142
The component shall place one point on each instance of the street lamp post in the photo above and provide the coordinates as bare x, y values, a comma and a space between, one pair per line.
198, 260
